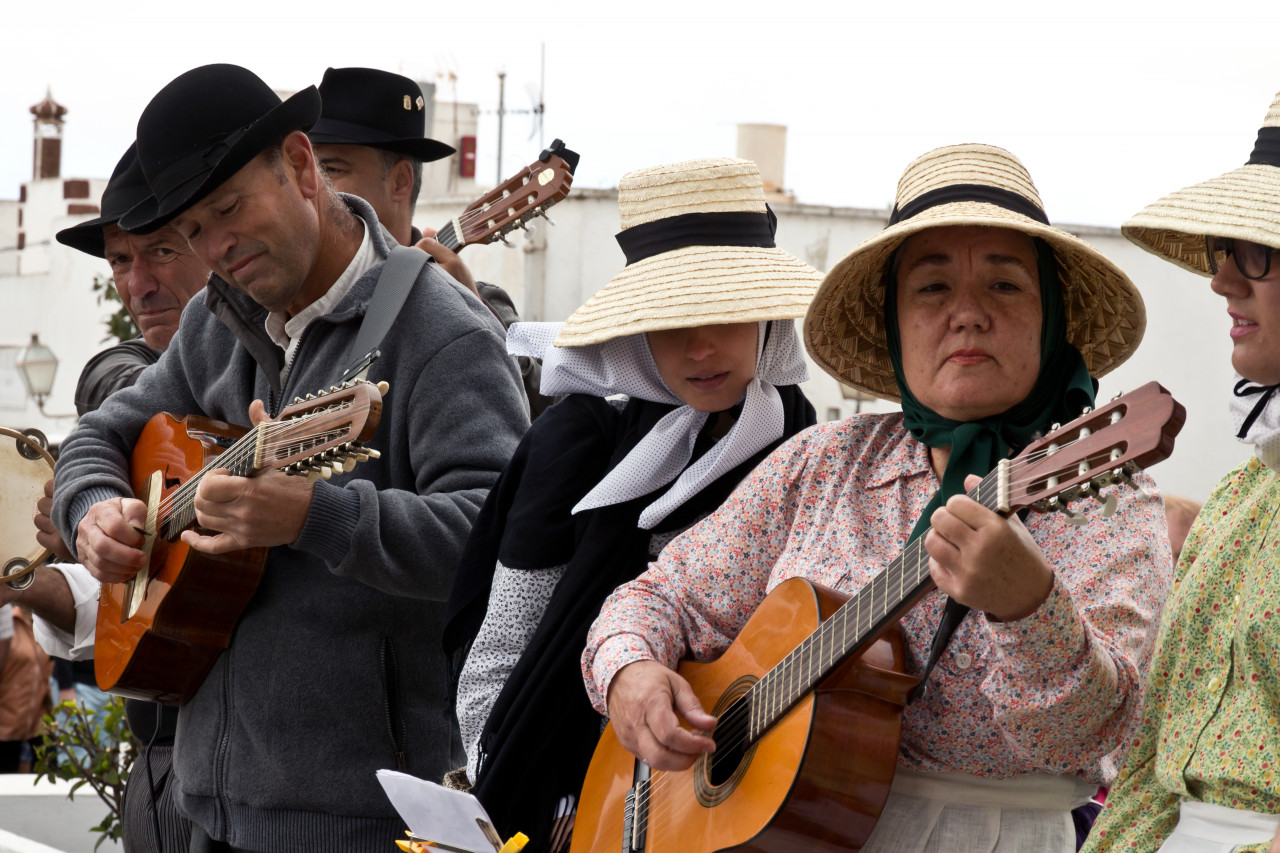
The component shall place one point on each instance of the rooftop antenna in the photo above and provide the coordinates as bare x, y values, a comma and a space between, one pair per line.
444, 72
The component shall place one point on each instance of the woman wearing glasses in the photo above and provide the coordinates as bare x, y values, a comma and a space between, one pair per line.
1202, 775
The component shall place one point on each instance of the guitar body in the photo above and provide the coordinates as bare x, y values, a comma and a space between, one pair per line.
184, 618
815, 781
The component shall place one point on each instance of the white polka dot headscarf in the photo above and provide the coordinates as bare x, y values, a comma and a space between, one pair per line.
625, 366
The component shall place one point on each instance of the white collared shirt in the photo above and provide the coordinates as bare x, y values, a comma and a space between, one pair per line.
287, 331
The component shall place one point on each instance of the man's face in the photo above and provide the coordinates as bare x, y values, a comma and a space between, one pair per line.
359, 170
260, 229
156, 275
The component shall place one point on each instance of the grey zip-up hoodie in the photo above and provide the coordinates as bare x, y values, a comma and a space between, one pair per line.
335, 669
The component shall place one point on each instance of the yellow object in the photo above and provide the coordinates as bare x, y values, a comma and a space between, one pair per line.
515, 844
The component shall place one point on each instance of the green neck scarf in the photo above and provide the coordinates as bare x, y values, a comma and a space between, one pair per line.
1062, 390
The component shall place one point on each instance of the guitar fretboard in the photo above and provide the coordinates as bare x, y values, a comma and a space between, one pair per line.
883, 599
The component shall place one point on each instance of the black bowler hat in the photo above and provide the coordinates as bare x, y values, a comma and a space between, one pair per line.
201, 129
126, 189
365, 106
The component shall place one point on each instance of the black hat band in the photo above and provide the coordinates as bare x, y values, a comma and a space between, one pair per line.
1266, 151
732, 228
199, 163
984, 193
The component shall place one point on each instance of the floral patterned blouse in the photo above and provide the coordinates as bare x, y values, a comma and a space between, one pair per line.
1210, 730
1058, 691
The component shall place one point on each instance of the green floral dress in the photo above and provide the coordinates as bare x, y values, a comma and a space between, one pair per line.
1209, 726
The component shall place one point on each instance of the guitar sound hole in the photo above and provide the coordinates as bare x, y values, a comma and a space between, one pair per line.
731, 743
718, 774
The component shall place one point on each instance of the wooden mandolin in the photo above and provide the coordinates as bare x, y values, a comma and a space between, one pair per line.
159, 633
809, 697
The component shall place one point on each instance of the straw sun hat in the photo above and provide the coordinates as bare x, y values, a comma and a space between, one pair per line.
700, 251
966, 185
1243, 204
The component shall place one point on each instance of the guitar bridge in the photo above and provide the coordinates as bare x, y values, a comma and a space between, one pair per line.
635, 816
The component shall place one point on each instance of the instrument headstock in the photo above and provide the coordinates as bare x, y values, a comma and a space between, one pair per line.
1104, 447
515, 201
323, 434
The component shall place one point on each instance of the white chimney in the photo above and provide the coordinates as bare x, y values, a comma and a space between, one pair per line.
766, 144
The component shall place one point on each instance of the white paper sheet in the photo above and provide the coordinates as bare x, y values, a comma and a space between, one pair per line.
435, 813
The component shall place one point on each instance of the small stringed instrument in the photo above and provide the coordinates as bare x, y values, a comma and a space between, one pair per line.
515, 201
159, 633
809, 696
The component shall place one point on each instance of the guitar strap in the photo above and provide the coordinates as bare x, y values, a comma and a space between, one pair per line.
952, 615
395, 280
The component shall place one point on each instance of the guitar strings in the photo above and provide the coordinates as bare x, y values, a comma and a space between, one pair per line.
791, 669
243, 450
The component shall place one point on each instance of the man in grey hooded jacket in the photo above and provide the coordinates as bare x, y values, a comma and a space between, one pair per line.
335, 668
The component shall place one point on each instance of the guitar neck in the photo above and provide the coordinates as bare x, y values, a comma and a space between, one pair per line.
240, 459
449, 235
882, 601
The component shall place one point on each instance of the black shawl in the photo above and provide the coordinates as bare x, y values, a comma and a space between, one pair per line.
542, 732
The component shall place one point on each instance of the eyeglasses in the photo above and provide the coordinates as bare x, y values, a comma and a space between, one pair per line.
1252, 259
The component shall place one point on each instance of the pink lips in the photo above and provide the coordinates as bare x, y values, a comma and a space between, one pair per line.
708, 383
969, 356
1241, 325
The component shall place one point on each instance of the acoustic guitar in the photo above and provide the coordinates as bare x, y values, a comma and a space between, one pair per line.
160, 632
809, 697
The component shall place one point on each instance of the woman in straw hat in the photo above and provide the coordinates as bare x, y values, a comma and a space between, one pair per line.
988, 324
697, 331
1204, 773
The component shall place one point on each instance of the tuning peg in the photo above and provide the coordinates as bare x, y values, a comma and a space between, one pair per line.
310, 397
503, 239
313, 475
383, 387
371, 453
1055, 427
348, 464
296, 401
1108, 502
530, 230
543, 214
1125, 476
1086, 410
1072, 516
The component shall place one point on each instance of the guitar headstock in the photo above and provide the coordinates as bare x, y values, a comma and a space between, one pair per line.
515, 201
324, 433
1101, 448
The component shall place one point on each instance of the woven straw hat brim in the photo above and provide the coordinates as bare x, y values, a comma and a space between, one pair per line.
844, 329
1243, 204
694, 286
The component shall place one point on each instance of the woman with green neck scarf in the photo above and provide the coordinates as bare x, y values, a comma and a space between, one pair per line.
989, 325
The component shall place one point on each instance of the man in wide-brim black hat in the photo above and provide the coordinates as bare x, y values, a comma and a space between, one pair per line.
371, 141
334, 670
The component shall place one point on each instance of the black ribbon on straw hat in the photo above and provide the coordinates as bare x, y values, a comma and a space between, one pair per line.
729, 228
1266, 151
953, 193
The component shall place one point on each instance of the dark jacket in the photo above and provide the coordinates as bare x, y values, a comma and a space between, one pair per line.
110, 370
335, 668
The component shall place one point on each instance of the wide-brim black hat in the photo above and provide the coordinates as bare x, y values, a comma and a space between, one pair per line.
126, 190
201, 129
366, 106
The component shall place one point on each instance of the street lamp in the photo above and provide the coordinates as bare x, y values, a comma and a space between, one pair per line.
37, 365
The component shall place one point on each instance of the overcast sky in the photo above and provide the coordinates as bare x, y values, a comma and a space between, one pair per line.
1109, 104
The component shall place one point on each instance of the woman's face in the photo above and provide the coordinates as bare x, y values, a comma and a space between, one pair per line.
969, 319
1254, 308
707, 366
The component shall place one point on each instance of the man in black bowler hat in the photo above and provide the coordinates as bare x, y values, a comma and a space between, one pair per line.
371, 141
334, 670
